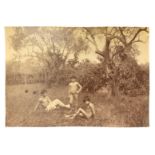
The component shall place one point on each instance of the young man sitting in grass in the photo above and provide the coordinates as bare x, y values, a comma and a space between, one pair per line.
46, 102
87, 111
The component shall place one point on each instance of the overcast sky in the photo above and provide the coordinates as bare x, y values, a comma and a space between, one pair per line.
142, 58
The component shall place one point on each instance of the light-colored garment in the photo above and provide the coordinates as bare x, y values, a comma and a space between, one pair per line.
53, 104
50, 105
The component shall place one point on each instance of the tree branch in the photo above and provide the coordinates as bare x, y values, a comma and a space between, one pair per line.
93, 41
123, 36
138, 41
136, 34
100, 53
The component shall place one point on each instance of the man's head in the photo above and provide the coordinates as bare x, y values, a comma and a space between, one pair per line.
73, 78
86, 99
43, 92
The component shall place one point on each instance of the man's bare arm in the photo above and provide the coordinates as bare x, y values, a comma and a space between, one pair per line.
35, 108
92, 109
80, 88
48, 99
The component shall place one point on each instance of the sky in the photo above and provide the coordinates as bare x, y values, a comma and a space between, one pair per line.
142, 58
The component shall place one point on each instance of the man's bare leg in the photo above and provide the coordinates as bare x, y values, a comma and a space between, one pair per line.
71, 98
76, 100
79, 112
61, 104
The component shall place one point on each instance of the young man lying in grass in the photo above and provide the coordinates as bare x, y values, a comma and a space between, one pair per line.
87, 111
46, 102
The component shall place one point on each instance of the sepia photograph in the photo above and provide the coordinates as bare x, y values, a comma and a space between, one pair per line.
77, 76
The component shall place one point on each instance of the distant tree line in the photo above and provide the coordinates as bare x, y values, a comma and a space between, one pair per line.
132, 80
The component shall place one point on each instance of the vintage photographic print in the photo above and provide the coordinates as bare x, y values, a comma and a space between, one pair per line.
77, 76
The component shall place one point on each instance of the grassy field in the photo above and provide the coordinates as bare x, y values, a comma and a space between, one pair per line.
114, 112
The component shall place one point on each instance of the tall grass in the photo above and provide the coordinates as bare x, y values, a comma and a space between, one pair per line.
122, 111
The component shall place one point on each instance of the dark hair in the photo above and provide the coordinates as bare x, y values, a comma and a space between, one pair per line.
73, 77
43, 91
86, 98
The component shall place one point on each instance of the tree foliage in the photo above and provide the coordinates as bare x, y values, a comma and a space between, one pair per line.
57, 51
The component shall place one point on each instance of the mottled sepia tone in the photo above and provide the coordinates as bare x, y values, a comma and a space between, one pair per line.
77, 76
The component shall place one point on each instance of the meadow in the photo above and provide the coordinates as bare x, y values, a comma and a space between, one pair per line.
120, 111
